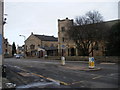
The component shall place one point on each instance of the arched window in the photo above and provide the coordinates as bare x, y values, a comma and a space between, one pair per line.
32, 46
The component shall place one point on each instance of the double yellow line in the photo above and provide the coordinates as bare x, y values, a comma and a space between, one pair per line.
61, 82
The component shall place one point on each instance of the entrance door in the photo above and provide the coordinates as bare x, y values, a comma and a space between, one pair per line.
72, 52
40, 54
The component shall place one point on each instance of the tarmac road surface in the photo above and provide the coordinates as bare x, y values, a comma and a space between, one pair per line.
50, 73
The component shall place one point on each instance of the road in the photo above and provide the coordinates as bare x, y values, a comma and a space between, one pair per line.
72, 75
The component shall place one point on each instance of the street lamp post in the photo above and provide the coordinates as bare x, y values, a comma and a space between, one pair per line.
23, 36
24, 45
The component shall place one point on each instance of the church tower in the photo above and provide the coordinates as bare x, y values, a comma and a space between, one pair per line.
63, 39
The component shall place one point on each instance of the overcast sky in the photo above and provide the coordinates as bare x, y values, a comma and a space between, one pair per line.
42, 17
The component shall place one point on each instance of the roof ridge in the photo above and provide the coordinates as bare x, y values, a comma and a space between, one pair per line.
44, 35
46, 38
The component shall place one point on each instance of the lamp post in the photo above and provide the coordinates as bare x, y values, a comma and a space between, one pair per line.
23, 36
24, 44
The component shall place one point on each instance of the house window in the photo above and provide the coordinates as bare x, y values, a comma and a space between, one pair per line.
63, 39
6, 50
62, 29
32, 46
6, 45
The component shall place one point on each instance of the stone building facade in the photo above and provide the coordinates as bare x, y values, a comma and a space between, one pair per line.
40, 45
67, 47
7, 48
20, 49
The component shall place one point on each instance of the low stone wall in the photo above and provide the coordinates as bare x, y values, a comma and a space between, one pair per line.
107, 58
86, 58
77, 58
97, 58
53, 57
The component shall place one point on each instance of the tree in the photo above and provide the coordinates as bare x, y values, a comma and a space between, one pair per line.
86, 32
113, 45
13, 49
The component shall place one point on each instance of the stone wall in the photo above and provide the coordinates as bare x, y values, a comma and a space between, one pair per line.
97, 58
86, 58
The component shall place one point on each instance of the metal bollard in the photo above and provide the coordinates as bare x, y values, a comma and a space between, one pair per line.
3, 70
63, 60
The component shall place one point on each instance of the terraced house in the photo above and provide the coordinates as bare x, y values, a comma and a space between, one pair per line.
41, 45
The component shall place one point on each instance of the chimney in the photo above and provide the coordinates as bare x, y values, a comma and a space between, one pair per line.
31, 33
66, 17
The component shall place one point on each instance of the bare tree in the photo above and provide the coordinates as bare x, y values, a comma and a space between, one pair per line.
94, 17
87, 32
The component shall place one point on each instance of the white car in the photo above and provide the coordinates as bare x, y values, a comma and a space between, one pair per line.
18, 56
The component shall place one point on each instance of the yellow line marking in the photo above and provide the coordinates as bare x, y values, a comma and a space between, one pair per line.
61, 82
77, 82
38, 75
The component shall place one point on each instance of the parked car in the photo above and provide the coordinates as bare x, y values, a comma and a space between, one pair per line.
18, 56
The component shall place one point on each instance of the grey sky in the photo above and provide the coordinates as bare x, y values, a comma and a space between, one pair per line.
41, 17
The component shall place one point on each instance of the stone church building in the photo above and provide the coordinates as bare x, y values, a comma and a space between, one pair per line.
67, 47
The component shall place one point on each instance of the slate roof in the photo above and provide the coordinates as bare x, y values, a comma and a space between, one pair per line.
46, 38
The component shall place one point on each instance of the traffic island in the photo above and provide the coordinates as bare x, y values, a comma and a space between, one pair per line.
91, 69
81, 68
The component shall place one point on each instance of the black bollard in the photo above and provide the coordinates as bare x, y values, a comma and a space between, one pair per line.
3, 70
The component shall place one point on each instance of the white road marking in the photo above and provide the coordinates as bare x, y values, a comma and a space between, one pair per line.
97, 77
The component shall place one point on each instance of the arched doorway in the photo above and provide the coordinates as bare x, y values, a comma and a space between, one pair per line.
72, 52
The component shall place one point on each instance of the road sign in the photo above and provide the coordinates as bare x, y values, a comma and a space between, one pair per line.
63, 46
